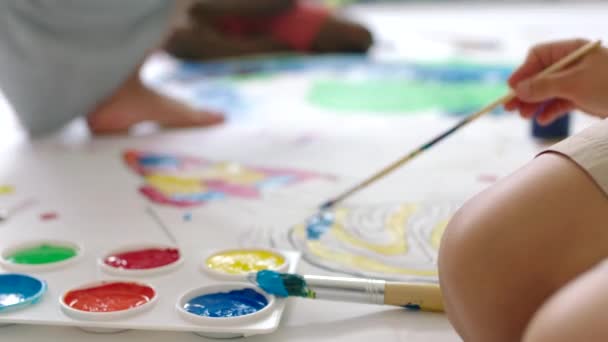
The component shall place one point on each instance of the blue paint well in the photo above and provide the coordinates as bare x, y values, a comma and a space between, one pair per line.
319, 225
227, 304
272, 283
19, 290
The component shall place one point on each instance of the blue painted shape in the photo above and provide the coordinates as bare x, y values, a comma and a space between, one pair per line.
200, 197
19, 291
156, 160
275, 182
187, 217
272, 283
319, 225
227, 304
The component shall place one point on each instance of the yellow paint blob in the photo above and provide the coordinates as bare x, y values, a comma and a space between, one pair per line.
172, 184
437, 233
245, 261
395, 228
6, 189
233, 173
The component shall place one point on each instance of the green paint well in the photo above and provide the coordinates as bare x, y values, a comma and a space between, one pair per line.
42, 254
402, 97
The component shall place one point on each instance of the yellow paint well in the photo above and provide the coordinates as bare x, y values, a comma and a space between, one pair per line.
245, 261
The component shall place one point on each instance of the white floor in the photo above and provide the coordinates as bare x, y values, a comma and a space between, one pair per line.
412, 31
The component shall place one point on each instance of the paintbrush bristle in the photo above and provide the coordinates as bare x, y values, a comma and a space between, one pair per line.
283, 284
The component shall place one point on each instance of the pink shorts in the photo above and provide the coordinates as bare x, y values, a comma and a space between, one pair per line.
297, 27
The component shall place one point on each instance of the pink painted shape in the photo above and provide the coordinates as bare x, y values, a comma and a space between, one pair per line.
300, 175
245, 191
158, 197
49, 216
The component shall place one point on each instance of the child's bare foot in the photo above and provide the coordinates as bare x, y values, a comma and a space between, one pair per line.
134, 103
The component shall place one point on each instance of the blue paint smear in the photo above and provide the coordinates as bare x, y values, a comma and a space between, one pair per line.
275, 182
19, 290
227, 304
413, 307
447, 72
204, 196
158, 161
245, 66
187, 217
319, 225
272, 283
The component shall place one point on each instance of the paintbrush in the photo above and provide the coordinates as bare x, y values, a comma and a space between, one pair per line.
417, 296
569, 59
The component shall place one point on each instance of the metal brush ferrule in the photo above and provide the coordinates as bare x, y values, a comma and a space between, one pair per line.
369, 291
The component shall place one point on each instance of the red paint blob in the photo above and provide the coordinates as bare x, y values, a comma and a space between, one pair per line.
143, 259
49, 216
109, 297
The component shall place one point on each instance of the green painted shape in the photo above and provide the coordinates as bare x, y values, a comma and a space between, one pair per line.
400, 97
42, 254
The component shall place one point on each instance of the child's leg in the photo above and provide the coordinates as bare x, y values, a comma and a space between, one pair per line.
575, 313
511, 247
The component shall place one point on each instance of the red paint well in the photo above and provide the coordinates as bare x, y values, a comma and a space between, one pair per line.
143, 259
109, 297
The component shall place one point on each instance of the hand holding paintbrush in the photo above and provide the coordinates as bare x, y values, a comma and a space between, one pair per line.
569, 59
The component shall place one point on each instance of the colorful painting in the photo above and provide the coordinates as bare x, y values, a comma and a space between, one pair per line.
353, 84
183, 181
398, 242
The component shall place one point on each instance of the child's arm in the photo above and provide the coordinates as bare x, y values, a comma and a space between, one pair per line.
582, 85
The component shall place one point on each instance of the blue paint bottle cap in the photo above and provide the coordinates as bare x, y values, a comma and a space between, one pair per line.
558, 129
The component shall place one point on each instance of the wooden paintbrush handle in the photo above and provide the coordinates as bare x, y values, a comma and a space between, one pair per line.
426, 296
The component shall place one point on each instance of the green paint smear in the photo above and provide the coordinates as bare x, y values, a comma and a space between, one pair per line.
43, 254
401, 97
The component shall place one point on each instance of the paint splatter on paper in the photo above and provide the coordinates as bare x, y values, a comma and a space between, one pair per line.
384, 241
49, 216
183, 181
6, 189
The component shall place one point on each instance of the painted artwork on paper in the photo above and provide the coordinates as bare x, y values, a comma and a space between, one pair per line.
184, 181
356, 84
398, 242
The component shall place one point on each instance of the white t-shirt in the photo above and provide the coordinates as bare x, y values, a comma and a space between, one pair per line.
60, 58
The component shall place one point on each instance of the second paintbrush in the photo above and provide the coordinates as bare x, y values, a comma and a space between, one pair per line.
423, 296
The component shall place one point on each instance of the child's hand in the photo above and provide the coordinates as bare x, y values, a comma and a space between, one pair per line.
582, 85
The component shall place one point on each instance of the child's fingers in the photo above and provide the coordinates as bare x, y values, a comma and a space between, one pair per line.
562, 84
528, 110
543, 55
553, 111
512, 105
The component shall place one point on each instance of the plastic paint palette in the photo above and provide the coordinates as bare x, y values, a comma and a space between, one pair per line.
157, 304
